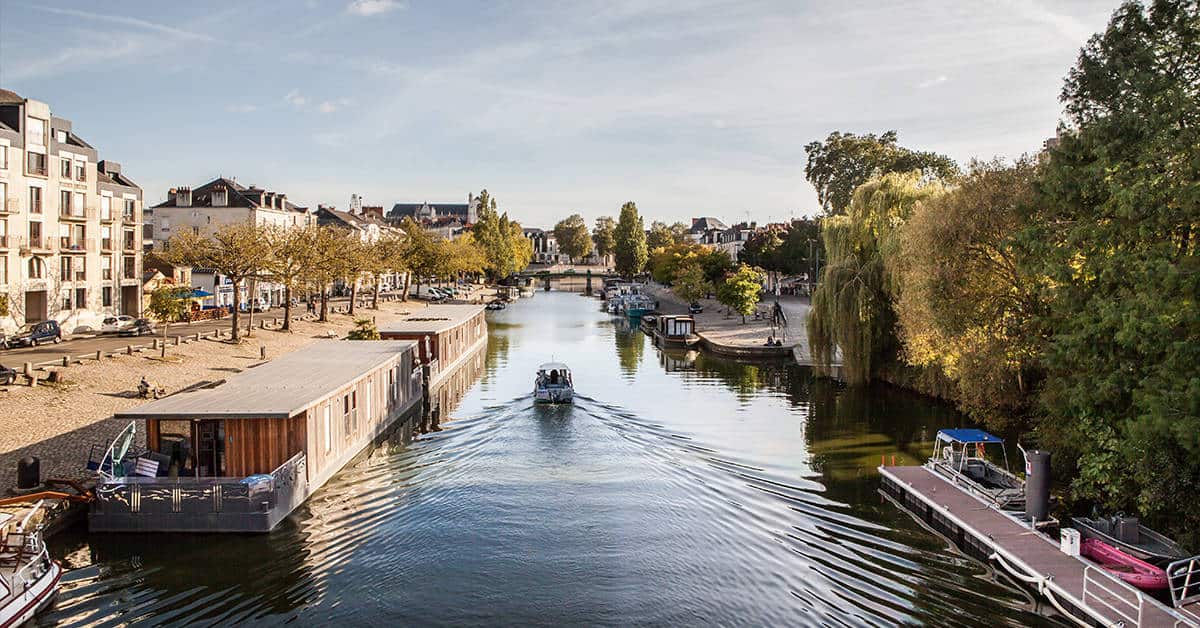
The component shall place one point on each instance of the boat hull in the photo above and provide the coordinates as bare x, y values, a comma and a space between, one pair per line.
679, 342
21, 608
1159, 550
553, 395
1136, 572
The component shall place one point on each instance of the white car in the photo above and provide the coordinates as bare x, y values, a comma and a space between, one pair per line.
114, 324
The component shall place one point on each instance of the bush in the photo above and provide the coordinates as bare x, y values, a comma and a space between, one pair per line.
364, 329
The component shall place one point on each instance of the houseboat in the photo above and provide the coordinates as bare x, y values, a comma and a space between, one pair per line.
28, 575
676, 331
241, 455
451, 343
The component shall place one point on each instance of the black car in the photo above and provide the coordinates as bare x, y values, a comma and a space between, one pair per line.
695, 308
7, 375
140, 327
36, 334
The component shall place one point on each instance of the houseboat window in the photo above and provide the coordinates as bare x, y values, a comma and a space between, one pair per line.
328, 432
346, 416
369, 395
392, 386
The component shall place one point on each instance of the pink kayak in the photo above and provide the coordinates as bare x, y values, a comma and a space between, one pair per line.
1135, 571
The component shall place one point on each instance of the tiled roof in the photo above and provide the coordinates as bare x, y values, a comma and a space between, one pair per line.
10, 97
238, 195
400, 210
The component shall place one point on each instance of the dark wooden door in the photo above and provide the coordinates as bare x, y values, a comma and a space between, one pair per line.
210, 448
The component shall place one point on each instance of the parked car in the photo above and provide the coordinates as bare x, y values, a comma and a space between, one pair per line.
695, 308
258, 304
114, 324
140, 327
36, 334
7, 375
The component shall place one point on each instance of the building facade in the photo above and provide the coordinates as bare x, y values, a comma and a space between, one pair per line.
70, 224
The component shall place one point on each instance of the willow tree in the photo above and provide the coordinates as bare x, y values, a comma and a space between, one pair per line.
852, 306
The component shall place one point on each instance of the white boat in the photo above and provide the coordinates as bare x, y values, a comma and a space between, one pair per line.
553, 384
28, 577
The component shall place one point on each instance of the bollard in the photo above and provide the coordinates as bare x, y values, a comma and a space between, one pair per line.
33, 379
262, 352
176, 341
66, 360
155, 343
28, 369
163, 350
275, 322
29, 473
99, 355
1037, 484
197, 336
128, 349
262, 324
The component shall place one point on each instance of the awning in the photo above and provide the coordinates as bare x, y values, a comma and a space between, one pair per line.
199, 293
968, 435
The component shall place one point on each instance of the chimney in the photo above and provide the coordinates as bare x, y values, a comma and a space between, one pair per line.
183, 196
171, 195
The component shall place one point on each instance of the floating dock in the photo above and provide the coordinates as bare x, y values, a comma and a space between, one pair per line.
1076, 588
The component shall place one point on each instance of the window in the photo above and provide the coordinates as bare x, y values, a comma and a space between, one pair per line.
61, 136
129, 241
81, 298
130, 207
35, 235
106, 238
80, 203
106, 296
3, 195
129, 267
65, 267
3, 157
105, 208
81, 170
81, 269
328, 432
36, 268
35, 200
65, 170
3, 271
64, 238
106, 268
66, 296
37, 130
35, 163
64, 203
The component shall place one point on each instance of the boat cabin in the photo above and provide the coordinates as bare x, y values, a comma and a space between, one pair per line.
240, 455
676, 326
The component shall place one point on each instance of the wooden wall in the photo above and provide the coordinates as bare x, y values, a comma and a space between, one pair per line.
261, 445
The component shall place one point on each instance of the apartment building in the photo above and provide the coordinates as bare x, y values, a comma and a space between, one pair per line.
70, 224
223, 201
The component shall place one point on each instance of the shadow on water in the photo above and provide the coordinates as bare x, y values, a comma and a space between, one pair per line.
680, 488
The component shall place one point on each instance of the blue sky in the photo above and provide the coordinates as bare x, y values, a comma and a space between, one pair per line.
688, 107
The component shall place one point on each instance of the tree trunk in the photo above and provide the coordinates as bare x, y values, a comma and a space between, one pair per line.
407, 285
353, 296
237, 303
375, 296
287, 308
253, 302
324, 303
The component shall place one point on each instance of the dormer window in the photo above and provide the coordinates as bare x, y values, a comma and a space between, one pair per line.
220, 198
184, 197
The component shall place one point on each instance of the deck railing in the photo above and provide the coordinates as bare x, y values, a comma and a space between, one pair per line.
1118, 597
1184, 579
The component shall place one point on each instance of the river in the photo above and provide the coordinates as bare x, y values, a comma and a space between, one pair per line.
679, 489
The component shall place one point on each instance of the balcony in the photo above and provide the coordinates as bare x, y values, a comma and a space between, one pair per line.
129, 272
107, 217
10, 242
129, 245
37, 245
10, 206
76, 245
35, 164
84, 215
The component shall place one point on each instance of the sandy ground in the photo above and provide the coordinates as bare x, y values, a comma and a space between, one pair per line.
59, 423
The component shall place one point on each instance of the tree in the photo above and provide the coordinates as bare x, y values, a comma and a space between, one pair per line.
505, 247
659, 236
169, 304
968, 299
740, 290
630, 241
573, 238
852, 305
422, 251
604, 236
387, 257
239, 251
664, 263
364, 329
463, 256
293, 255
690, 284
328, 263
357, 261
716, 264
839, 165
1117, 241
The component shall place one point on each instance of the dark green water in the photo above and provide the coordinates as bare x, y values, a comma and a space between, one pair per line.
680, 489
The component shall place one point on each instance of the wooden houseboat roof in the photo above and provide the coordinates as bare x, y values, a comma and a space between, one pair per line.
432, 320
280, 388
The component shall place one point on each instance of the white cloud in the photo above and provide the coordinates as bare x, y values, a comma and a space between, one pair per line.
332, 139
130, 21
241, 108
1074, 31
330, 106
372, 7
295, 98
938, 80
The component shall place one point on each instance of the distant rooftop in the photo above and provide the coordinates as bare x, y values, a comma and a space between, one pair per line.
280, 388
9, 97
431, 320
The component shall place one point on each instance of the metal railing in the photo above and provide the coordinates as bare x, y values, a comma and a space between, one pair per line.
1183, 578
73, 213
1125, 606
11, 206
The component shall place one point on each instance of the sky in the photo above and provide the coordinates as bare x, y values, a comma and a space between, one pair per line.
687, 107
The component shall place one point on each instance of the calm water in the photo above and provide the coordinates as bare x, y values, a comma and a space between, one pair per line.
680, 489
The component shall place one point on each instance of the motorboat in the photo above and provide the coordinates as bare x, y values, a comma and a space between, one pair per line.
1134, 571
553, 384
1131, 537
960, 456
29, 577
495, 305
649, 321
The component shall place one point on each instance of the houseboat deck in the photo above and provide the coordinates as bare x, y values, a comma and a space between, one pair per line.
1071, 584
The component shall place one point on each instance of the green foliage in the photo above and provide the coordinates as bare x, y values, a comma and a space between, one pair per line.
716, 264
852, 305
839, 165
1117, 240
604, 236
740, 290
967, 299
505, 248
169, 304
364, 329
573, 237
664, 263
630, 242
4, 311
690, 283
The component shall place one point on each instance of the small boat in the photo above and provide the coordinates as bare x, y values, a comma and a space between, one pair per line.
649, 321
676, 331
637, 305
1136, 572
29, 577
496, 305
553, 384
1131, 537
958, 454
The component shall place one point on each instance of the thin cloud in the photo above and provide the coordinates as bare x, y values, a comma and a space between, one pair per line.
938, 80
241, 108
1070, 28
330, 106
128, 21
295, 98
368, 8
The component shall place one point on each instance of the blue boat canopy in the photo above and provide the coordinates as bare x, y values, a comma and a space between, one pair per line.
968, 435
199, 293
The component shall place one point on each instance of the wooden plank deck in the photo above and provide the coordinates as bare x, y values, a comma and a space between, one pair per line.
1034, 554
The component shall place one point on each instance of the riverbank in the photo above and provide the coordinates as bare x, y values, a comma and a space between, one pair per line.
60, 422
